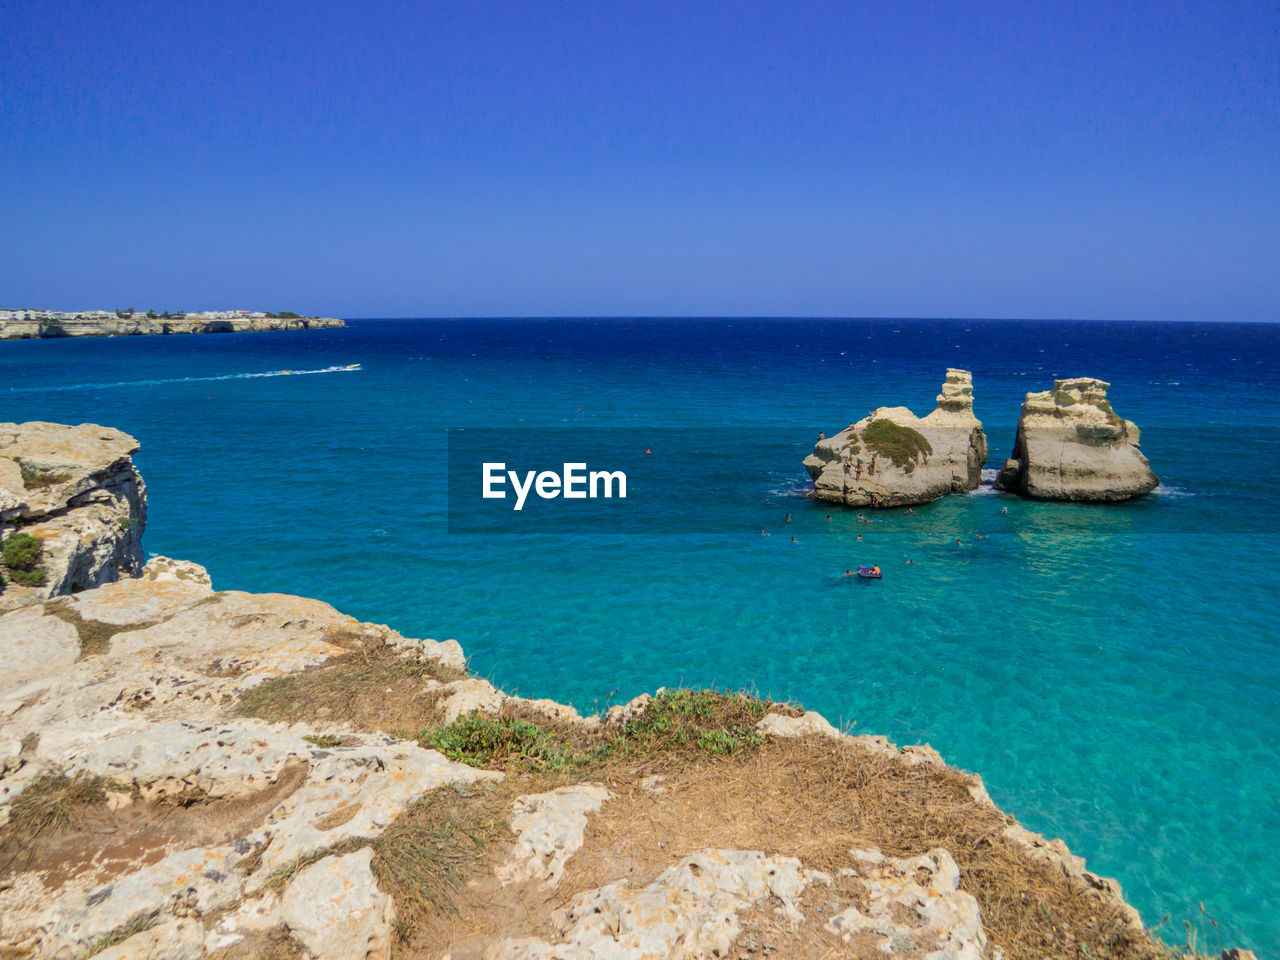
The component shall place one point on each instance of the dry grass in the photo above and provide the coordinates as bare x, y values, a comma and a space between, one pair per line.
95, 636
370, 688
55, 804
273, 944
427, 856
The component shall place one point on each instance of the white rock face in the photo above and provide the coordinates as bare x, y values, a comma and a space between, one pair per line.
468, 696
690, 911
779, 725
86, 504
173, 939
166, 568
35, 644
855, 467
202, 879
336, 909
354, 792
550, 829
916, 907
1072, 446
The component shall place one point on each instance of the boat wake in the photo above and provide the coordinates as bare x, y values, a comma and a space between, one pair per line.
349, 368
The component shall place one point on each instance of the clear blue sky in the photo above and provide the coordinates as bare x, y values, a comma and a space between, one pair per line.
1114, 160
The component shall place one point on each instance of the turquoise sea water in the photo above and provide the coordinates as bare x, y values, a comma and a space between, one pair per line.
1112, 672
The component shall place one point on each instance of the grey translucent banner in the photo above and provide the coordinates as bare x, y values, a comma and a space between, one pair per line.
735, 479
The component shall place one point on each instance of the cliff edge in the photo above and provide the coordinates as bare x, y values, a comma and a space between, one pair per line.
893, 458
1071, 445
72, 509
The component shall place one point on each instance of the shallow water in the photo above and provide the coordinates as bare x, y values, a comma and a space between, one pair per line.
1112, 672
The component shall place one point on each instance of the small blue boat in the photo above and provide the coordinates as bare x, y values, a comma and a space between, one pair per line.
869, 573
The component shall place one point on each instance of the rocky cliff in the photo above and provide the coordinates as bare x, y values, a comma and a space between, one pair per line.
76, 493
893, 458
141, 325
1071, 445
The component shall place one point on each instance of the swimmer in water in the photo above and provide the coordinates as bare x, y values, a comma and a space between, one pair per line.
764, 533
794, 540
787, 519
910, 562
828, 516
859, 538
848, 573
1004, 509
958, 543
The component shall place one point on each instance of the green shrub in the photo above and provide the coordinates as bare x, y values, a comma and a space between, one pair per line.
485, 741
21, 555
900, 444
21, 551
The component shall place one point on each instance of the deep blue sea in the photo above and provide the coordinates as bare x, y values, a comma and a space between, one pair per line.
1112, 672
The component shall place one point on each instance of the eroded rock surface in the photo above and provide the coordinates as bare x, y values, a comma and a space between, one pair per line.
893, 458
690, 911
75, 489
549, 830
915, 908
135, 685
1072, 446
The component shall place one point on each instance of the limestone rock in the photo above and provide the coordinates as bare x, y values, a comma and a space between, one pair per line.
336, 909
690, 911
915, 905
354, 791
172, 939
167, 569
33, 643
893, 458
75, 489
1072, 446
779, 725
200, 879
550, 828
468, 696
622, 712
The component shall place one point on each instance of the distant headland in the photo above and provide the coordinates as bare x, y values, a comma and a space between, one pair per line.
28, 324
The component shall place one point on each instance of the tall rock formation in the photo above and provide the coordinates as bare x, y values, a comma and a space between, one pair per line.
894, 458
1072, 446
76, 491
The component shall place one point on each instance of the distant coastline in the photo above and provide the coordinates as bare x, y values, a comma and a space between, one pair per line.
53, 324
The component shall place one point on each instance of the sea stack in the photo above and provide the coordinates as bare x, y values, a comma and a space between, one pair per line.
1072, 446
72, 510
893, 458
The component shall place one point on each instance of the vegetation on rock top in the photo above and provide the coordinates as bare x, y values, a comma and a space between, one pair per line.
900, 444
21, 556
